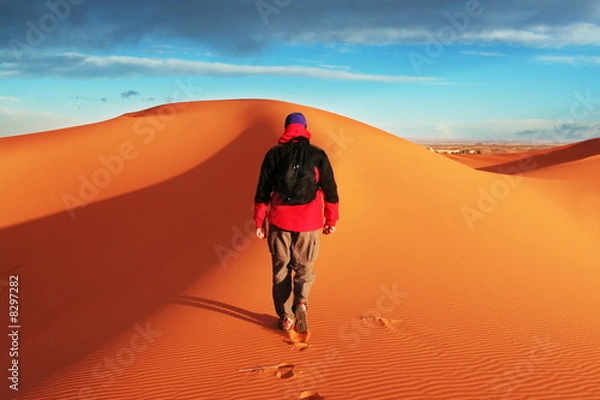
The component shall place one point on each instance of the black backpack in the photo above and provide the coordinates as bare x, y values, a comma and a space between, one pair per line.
296, 181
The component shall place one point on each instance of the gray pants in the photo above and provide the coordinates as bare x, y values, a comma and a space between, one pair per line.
293, 255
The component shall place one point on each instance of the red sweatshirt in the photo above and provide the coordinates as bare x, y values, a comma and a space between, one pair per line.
323, 210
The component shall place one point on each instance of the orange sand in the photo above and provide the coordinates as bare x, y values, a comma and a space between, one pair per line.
442, 281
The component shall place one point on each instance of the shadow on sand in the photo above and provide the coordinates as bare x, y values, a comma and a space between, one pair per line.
264, 320
87, 280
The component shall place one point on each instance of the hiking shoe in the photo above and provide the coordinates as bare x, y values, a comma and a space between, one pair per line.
301, 322
285, 324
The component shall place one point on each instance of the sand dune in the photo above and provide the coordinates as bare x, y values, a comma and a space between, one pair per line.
443, 281
577, 161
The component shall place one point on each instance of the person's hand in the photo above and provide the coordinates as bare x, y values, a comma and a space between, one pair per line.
327, 230
260, 233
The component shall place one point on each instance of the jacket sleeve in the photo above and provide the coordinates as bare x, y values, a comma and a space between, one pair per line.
264, 189
328, 185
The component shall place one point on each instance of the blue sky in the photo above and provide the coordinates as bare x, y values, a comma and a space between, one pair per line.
468, 69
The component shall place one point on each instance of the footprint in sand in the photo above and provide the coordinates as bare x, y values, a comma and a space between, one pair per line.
286, 371
308, 395
299, 341
281, 371
392, 324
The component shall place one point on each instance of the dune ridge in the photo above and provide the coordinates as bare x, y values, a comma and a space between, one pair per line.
485, 284
561, 162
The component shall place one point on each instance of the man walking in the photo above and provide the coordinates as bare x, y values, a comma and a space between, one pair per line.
297, 195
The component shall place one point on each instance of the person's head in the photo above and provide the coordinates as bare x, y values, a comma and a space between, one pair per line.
295, 118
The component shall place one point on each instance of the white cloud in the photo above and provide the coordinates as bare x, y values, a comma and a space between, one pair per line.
529, 130
483, 53
185, 67
335, 67
9, 98
81, 65
539, 35
572, 60
577, 34
367, 36
170, 49
17, 121
188, 27
445, 131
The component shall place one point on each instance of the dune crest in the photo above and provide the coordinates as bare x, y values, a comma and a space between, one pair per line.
576, 161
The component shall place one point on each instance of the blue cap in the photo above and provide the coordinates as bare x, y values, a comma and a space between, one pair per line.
295, 118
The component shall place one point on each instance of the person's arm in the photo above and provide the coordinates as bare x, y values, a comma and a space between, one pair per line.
264, 189
328, 185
